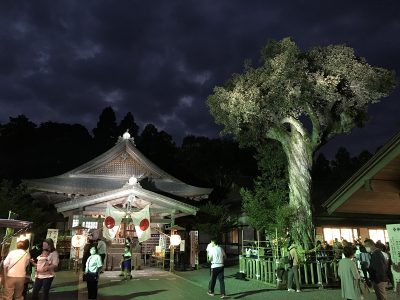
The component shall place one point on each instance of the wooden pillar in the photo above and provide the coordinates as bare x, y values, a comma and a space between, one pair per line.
172, 248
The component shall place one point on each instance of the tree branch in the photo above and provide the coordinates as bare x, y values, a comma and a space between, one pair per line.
316, 133
279, 134
296, 124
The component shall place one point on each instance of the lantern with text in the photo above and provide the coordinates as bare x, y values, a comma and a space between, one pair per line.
78, 240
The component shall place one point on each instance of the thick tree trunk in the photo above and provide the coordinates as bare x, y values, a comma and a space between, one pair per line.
299, 157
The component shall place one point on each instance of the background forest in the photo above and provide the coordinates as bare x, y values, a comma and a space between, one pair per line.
28, 150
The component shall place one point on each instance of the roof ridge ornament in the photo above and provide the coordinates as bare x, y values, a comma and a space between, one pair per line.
126, 136
133, 181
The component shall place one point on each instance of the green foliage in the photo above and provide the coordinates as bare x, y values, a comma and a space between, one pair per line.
329, 85
266, 205
302, 100
215, 219
16, 198
285, 216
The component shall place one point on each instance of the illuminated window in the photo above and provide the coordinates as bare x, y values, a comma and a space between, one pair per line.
378, 235
90, 224
75, 220
232, 237
349, 234
87, 224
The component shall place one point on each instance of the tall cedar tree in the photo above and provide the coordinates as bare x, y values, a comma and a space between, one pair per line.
105, 135
300, 99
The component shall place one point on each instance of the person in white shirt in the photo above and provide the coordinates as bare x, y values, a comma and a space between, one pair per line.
93, 266
209, 247
217, 257
15, 269
45, 276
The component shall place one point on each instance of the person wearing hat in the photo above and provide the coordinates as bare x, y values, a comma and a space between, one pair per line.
293, 271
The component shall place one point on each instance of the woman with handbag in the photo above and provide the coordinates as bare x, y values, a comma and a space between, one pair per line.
92, 270
15, 270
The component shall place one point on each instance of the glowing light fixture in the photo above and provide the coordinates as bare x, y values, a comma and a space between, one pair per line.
24, 236
175, 239
78, 241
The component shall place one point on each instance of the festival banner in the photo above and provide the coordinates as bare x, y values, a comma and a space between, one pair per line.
394, 244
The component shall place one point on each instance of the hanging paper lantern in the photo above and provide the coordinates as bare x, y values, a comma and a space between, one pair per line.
175, 239
144, 224
78, 241
109, 222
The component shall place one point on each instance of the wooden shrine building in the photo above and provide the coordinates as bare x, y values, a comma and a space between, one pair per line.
120, 175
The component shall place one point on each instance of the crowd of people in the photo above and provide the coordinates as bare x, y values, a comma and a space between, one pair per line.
20, 263
37, 264
362, 265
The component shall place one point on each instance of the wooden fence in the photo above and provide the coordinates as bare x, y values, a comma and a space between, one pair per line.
272, 271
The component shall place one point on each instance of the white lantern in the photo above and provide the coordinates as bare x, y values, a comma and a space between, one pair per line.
175, 239
78, 241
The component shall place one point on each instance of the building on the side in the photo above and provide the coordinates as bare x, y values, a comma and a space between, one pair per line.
366, 202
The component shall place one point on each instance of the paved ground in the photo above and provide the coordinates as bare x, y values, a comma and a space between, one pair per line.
155, 284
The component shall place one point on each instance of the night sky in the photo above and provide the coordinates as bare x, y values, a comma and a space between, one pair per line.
65, 61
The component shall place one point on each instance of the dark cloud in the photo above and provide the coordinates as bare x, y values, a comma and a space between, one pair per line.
66, 60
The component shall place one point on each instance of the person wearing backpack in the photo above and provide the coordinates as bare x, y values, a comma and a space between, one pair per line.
293, 271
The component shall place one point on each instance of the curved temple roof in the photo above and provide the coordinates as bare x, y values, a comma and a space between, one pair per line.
110, 172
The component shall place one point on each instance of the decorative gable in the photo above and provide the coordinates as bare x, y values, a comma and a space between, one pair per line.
123, 165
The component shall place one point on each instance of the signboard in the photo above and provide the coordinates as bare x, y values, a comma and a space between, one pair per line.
162, 242
182, 246
52, 234
118, 241
194, 248
394, 243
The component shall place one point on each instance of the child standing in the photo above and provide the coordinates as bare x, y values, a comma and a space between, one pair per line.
42, 262
126, 263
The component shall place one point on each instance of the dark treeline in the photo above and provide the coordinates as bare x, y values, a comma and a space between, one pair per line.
28, 150
328, 176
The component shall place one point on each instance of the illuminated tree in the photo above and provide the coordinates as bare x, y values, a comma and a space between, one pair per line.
266, 202
300, 99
